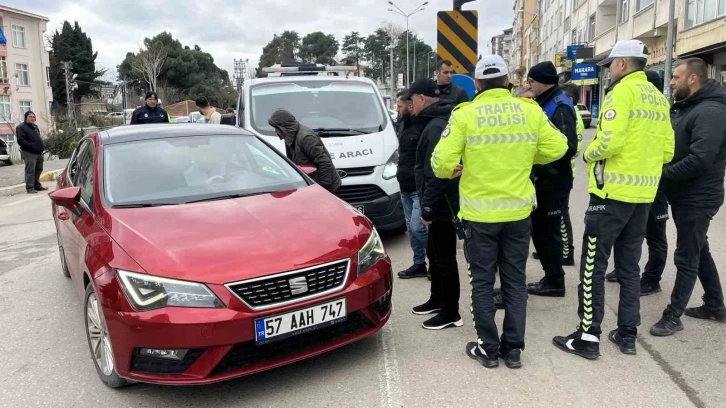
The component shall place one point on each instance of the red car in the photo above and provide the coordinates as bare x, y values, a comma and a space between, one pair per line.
203, 255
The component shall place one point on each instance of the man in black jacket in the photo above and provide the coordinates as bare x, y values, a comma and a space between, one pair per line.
439, 205
408, 131
31, 149
553, 182
304, 146
694, 185
151, 112
449, 92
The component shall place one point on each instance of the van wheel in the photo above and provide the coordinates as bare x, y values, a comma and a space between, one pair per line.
99, 342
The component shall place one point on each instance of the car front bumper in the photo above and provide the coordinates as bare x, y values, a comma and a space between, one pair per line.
221, 342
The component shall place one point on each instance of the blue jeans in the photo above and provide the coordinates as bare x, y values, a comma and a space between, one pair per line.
416, 230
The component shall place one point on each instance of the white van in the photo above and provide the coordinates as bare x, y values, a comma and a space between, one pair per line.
349, 115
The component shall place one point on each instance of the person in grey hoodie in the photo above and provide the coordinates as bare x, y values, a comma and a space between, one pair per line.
304, 146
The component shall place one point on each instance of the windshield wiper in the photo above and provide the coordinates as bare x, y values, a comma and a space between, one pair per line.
141, 205
228, 196
341, 130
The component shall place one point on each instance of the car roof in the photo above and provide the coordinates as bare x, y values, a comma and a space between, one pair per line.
135, 133
308, 78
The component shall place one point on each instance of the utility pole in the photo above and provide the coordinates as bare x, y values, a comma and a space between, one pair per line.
240, 70
392, 80
71, 86
669, 50
399, 11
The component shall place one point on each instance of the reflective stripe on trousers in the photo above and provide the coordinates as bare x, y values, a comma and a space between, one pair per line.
631, 179
497, 204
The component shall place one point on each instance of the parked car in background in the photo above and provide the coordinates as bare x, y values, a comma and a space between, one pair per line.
173, 237
5, 153
180, 119
586, 115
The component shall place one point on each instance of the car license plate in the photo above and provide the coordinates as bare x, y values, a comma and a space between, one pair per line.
360, 209
282, 326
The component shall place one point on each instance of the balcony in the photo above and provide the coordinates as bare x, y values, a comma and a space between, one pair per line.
604, 43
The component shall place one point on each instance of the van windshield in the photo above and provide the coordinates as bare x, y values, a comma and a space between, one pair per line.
319, 105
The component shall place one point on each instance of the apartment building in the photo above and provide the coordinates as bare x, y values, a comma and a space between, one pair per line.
25, 70
524, 14
702, 33
502, 45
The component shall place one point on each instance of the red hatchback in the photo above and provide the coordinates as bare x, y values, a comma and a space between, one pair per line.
202, 254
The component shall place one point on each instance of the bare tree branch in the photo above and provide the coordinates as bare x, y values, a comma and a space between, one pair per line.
149, 62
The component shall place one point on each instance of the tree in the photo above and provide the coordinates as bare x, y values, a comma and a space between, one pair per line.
187, 72
376, 53
353, 47
282, 49
149, 63
319, 48
73, 45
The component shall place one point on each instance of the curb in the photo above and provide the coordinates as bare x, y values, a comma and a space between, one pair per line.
50, 175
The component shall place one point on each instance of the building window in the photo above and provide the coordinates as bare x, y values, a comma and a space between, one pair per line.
22, 71
47, 77
25, 106
574, 37
4, 108
3, 71
703, 11
18, 36
591, 35
641, 4
624, 10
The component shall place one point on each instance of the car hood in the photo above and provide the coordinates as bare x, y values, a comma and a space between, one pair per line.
229, 240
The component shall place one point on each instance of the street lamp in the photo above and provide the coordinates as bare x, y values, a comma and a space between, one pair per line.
399, 11
428, 63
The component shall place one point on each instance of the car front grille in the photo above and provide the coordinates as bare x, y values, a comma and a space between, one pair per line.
146, 364
357, 171
360, 193
290, 287
248, 354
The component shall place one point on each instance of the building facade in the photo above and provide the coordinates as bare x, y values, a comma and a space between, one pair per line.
702, 34
502, 45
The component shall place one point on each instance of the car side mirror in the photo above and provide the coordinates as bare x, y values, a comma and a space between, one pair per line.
309, 169
228, 119
69, 198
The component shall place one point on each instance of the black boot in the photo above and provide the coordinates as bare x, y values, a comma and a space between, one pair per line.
548, 288
668, 325
611, 277
648, 287
512, 358
579, 343
489, 359
625, 342
415, 271
703, 312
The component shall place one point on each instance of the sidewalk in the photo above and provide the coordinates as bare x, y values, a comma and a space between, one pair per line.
13, 175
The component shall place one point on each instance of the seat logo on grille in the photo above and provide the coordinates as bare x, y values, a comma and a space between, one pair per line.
342, 173
298, 285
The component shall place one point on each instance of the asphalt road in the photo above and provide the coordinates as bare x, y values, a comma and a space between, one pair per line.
46, 362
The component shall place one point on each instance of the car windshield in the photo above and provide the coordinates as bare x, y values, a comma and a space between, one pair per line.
321, 105
179, 170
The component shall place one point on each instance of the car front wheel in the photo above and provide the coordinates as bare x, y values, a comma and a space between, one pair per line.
99, 341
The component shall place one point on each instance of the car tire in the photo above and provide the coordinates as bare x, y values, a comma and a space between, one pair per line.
99, 343
64, 265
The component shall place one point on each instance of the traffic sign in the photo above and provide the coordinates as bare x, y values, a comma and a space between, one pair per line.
457, 39
466, 82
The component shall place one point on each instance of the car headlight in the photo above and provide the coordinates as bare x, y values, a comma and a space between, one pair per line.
148, 292
391, 167
371, 253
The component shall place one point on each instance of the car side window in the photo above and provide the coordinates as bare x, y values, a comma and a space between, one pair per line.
84, 175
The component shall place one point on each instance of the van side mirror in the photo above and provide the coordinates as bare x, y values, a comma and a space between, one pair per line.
228, 119
69, 198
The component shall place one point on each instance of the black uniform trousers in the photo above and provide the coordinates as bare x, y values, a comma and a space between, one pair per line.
568, 244
441, 251
547, 222
611, 225
656, 239
693, 260
33, 169
490, 248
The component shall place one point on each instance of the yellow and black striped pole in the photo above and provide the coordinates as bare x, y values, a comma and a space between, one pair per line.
457, 39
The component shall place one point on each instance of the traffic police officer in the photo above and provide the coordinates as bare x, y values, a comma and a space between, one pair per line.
625, 161
151, 112
497, 138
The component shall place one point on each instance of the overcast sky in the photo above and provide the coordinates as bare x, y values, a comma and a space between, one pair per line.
239, 29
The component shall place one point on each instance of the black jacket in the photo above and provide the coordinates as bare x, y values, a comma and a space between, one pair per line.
434, 192
453, 94
558, 174
304, 146
695, 176
29, 138
408, 131
145, 115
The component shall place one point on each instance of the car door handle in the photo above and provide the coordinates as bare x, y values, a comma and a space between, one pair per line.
63, 216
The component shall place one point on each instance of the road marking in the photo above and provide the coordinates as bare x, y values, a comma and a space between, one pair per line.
388, 377
24, 200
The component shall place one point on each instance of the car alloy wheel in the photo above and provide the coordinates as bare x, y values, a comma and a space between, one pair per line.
99, 341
